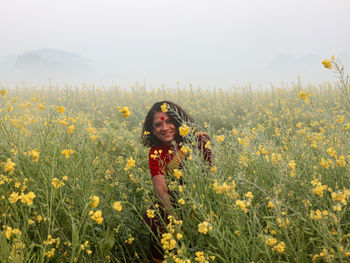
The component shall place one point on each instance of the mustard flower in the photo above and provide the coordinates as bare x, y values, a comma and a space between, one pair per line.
70, 129
184, 130
280, 247
220, 138
130, 163
204, 227
60, 109
270, 241
27, 198
177, 173
150, 213
164, 107
327, 63
3, 92
130, 239
125, 111
13, 198
35, 155
67, 153
57, 183
94, 201
181, 201
9, 166
118, 206
97, 216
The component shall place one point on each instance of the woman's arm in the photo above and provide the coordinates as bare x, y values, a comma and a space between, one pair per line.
161, 187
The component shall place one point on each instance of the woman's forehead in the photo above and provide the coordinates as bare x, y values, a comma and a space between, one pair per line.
160, 116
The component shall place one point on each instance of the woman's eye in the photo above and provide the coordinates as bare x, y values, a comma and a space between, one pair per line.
157, 124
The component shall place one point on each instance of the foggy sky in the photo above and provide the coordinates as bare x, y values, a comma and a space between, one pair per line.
208, 43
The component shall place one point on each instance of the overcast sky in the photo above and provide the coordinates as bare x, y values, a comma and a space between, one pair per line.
209, 43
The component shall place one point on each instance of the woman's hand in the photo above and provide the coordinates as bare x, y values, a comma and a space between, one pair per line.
161, 187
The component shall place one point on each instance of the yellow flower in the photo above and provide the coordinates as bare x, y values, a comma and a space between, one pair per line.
97, 216
35, 155
177, 173
242, 205
185, 149
208, 145
150, 213
57, 183
341, 161
70, 129
327, 63
204, 227
184, 130
181, 201
332, 152
118, 206
130, 240
164, 107
95, 200
292, 165
249, 195
280, 247
9, 166
27, 198
67, 152
325, 163
271, 205
168, 242
10, 232
130, 163
337, 207
220, 138
64, 122
304, 95
60, 109
125, 111
13, 198
339, 197
271, 241
316, 215
3, 92
200, 257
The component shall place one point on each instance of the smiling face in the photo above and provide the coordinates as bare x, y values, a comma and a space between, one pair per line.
163, 128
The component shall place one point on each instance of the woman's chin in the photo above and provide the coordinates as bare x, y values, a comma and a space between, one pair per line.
167, 140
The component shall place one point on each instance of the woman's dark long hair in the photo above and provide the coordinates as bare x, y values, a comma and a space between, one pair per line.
177, 116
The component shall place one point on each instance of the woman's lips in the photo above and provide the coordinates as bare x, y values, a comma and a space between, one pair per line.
167, 134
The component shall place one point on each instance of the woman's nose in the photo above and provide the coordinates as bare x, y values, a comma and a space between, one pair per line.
165, 125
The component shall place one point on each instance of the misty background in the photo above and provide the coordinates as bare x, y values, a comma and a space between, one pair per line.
159, 42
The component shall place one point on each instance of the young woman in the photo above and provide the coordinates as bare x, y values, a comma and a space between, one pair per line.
161, 133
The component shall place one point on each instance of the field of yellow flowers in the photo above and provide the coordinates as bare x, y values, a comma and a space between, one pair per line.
74, 179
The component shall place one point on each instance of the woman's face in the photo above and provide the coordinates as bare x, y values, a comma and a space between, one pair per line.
163, 129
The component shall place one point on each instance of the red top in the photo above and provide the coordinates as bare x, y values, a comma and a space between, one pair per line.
160, 156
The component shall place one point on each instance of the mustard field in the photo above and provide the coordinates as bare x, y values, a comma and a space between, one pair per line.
74, 177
